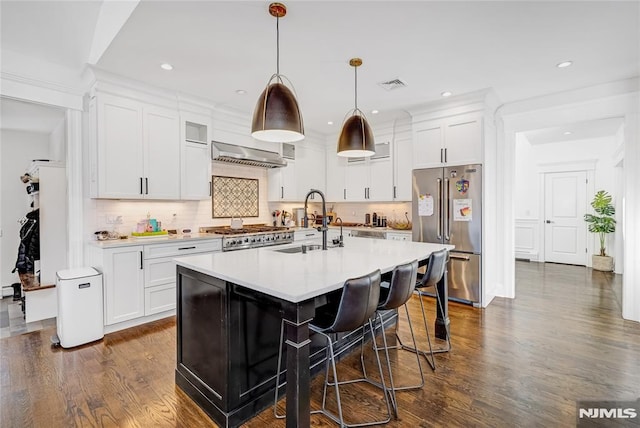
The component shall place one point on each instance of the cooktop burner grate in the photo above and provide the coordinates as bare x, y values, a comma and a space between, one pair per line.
250, 228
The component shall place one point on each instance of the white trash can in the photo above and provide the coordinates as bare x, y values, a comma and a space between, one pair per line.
80, 318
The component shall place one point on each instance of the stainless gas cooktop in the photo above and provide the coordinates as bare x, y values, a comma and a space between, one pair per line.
250, 236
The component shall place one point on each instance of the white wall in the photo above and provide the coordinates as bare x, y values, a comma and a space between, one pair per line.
57, 143
17, 149
529, 194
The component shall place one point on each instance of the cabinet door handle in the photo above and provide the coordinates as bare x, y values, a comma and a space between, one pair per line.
141, 185
394, 192
141, 266
445, 155
441, 156
281, 192
186, 248
146, 186
210, 189
345, 194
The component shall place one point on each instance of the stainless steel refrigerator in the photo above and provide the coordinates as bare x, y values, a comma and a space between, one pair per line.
447, 209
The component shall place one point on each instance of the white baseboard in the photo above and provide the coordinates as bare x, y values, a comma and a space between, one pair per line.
527, 255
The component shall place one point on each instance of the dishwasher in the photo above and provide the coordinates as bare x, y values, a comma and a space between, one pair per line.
375, 234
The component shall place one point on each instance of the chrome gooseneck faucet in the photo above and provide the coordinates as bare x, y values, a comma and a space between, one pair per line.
323, 228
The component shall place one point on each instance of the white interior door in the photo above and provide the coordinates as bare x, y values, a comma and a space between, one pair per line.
565, 199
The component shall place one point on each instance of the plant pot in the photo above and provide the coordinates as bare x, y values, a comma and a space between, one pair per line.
602, 263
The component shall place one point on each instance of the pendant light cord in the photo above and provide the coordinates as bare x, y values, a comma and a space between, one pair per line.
355, 69
278, 45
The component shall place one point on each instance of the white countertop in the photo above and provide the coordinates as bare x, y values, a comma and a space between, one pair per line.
297, 277
132, 240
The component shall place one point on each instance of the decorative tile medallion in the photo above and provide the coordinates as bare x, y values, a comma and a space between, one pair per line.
234, 197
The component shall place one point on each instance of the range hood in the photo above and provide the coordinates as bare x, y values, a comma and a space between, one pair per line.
224, 152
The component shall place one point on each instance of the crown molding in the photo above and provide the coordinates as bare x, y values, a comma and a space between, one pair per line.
39, 91
484, 100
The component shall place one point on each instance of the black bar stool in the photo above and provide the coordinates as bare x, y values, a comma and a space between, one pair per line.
436, 267
355, 309
396, 294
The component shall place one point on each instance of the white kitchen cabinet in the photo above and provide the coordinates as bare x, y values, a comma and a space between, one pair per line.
123, 274
195, 160
282, 185
310, 170
160, 271
304, 234
402, 169
137, 153
334, 232
356, 181
449, 141
371, 179
336, 167
162, 153
397, 236
117, 170
140, 281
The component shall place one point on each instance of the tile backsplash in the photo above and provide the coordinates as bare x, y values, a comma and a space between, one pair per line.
188, 214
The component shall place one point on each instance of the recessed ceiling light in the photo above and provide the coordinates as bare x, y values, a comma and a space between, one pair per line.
374, 112
241, 92
446, 94
166, 66
330, 123
567, 132
564, 64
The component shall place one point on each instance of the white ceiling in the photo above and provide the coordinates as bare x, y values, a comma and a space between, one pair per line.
217, 47
22, 116
577, 130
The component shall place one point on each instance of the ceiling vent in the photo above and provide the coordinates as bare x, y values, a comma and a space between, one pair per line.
392, 84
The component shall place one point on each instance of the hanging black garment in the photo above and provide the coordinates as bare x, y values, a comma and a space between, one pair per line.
29, 248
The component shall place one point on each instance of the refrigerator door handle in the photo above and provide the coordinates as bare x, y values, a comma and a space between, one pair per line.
459, 257
439, 205
447, 229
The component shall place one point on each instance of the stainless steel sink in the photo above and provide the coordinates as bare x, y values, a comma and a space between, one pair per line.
292, 250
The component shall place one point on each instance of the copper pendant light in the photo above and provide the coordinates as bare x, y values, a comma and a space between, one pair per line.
356, 138
277, 117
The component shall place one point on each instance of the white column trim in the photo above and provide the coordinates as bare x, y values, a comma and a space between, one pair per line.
631, 231
75, 220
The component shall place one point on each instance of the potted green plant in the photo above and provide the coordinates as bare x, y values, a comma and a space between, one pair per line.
602, 223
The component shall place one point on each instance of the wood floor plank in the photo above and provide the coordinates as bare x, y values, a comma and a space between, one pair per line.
521, 362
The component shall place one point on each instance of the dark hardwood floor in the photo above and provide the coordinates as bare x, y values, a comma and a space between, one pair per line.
522, 362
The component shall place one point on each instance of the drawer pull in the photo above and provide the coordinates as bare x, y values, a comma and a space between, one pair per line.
186, 248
